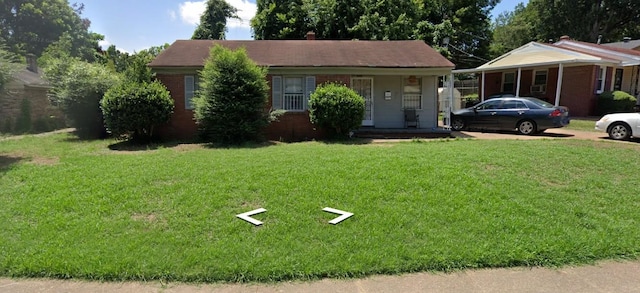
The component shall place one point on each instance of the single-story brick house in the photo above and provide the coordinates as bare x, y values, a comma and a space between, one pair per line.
390, 75
568, 73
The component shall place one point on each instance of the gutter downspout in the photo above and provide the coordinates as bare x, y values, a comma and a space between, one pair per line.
559, 83
482, 85
519, 78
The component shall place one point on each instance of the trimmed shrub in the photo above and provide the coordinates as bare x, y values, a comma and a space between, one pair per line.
132, 110
23, 122
231, 105
470, 100
336, 108
615, 102
78, 88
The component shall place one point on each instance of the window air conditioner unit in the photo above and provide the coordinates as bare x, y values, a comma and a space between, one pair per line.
539, 88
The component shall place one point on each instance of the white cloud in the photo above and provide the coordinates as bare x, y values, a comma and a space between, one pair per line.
190, 12
104, 44
246, 11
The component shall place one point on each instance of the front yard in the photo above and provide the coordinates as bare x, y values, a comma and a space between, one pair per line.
78, 209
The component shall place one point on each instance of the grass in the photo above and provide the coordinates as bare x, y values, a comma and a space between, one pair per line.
583, 124
77, 209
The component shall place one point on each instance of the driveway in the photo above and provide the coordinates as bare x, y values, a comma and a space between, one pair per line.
558, 133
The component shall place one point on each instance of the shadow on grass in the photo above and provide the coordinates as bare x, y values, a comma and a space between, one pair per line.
7, 161
469, 134
133, 146
247, 145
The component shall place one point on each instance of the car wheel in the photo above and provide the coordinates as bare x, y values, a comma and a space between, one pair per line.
619, 131
457, 124
526, 127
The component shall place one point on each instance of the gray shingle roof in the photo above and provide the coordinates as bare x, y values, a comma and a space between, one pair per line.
314, 53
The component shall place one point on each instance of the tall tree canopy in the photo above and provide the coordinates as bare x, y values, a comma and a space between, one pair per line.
464, 22
213, 22
584, 20
30, 26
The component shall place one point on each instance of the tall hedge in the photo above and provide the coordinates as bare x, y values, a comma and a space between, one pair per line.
78, 88
615, 102
132, 110
230, 106
337, 108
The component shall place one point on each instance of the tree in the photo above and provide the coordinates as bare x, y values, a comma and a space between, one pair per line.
337, 108
132, 66
280, 19
30, 26
132, 110
230, 107
78, 87
8, 67
512, 29
213, 21
583, 20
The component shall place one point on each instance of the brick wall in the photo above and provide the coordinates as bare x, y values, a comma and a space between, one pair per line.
578, 87
181, 125
43, 116
292, 126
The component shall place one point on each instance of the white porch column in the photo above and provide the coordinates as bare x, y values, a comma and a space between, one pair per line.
449, 107
482, 88
518, 86
559, 83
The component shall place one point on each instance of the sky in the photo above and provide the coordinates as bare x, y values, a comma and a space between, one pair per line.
135, 25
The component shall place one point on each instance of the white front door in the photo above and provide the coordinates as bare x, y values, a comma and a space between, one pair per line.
364, 87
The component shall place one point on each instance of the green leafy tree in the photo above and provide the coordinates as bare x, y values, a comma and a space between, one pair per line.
337, 108
512, 29
8, 67
280, 19
78, 88
30, 26
132, 66
132, 110
213, 22
230, 107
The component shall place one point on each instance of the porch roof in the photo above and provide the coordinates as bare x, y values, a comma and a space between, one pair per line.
536, 54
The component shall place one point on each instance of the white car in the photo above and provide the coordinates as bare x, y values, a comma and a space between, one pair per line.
620, 126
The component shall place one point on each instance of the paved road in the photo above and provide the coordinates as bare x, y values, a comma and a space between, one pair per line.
619, 277
549, 133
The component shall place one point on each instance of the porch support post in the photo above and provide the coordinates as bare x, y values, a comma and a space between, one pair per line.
559, 83
449, 108
519, 77
482, 87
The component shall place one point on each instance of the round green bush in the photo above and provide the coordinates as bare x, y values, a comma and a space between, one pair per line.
133, 110
615, 102
337, 108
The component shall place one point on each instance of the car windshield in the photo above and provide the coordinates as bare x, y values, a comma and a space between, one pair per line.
540, 103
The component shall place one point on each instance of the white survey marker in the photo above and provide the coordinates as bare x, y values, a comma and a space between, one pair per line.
343, 215
247, 216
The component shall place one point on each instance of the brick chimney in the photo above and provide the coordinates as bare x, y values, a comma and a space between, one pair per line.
311, 36
32, 64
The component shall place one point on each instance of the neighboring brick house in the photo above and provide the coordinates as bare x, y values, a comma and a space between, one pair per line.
390, 75
26, 94
585, 71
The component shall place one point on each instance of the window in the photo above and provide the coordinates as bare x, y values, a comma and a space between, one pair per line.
513, 105
602, 72
617, 84
291, 93
508, 82
489, 105
412, 93
190, 89
293, 98
539, 81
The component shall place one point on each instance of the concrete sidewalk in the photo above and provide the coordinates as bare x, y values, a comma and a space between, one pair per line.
608, 276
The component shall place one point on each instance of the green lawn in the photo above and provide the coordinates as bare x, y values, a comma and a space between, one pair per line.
76, 209
583, 124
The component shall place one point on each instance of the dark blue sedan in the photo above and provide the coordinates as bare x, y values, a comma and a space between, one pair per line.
525, 115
